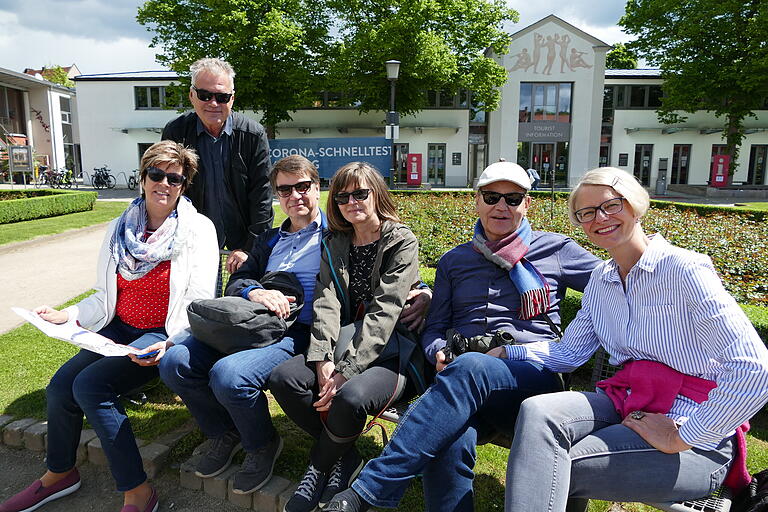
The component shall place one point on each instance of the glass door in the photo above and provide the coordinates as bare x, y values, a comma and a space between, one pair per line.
543, 160
757, 156
643, 158
478, 160
681, 158
436, 164
401, 162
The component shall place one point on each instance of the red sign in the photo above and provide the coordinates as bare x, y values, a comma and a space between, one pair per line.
414, 169
719, 173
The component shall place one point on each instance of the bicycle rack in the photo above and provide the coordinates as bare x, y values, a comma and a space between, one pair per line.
125, 178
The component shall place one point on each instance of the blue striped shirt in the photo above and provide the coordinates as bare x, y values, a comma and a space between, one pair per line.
676, 311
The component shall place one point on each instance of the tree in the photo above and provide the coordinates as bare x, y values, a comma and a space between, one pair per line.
712, 55
57, 75
441, 44
621, 57
277, 47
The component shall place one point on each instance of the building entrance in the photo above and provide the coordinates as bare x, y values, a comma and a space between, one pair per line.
757, 157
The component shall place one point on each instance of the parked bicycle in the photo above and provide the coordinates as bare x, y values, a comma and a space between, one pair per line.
133, 180
102, 178
45, 177
64, 178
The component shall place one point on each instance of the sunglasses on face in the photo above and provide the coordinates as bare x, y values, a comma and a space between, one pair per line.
512, 198
157, 175
301, 187
221, 97
360, 194
609, 207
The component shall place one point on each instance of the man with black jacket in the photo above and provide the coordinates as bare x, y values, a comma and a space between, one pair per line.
232, 185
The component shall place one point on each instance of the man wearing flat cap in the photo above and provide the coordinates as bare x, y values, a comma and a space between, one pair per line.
507, 282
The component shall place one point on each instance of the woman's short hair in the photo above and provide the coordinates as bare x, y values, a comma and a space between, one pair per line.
295, 165
621, 181
354, 174
169, 152
213, 66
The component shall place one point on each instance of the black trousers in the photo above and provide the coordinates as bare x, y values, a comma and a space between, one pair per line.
294, 386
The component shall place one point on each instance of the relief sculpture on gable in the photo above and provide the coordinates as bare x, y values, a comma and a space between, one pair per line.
545, 51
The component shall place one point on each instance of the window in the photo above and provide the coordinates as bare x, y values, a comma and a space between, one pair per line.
12, 111
65, 107
332, 99
632, 96
158, 98
526, 104
545, 102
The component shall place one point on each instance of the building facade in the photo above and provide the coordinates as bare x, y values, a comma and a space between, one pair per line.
561, 112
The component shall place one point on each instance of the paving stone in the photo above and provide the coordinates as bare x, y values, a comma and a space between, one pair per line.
13, 433
34, 436
187, 476
286, 495
241, 500
153, 456
217, 486
96, 452
268, 497
5, 419
86, 436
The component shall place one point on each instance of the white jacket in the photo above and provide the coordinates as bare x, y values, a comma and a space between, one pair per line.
193, 276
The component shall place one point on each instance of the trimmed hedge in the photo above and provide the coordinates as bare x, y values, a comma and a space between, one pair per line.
36, 204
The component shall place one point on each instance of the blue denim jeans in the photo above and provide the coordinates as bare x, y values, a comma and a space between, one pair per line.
91, 384
573, 443
225, 393
438, 434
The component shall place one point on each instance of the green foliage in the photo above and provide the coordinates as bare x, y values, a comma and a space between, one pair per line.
712, 55
736, 240
57, 75
43, 203
277, 48
621, 57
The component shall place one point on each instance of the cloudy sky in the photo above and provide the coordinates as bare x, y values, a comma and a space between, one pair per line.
102, 36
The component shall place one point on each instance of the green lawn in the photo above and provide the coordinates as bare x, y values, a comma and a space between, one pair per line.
754, 206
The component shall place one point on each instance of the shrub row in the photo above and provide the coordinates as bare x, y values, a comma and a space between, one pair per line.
42, 203
735, 239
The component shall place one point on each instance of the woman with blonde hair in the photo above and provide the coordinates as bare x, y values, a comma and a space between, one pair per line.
369, 262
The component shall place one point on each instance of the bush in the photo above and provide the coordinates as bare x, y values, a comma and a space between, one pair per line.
735, 239
16, 206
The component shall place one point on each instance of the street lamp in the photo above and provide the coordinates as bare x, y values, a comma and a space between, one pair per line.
393, 119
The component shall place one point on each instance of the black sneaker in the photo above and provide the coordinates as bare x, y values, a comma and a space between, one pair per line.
343, 472
257, 467
219, 455
347, 501
307, 495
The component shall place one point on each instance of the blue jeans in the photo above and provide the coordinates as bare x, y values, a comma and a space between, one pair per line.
225, 393
573, 443
92, 384
438, 433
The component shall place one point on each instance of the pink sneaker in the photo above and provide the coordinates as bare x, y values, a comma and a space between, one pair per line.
151, 505
35, 496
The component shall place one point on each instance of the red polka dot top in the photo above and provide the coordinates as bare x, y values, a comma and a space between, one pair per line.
143, 302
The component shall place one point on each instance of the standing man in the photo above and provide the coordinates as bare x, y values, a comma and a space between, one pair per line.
232, 185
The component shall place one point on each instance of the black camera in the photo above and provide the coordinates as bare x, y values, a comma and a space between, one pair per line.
456, 344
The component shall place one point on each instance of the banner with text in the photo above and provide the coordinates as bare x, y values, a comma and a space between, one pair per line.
331, 153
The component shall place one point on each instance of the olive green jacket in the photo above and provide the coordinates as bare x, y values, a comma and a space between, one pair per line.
395, 271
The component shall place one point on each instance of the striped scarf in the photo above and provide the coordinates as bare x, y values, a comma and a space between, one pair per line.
509, 254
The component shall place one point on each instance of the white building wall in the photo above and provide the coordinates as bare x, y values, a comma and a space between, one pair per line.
43, 130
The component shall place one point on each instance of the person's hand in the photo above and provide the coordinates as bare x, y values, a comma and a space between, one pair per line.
658, 430
236, 259
49, 314
499, 352
441, 362
274, 300
416, 307
160, 346
324, 370
329, 391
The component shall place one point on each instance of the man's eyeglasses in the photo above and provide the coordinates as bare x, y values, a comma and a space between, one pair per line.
609, 207
512, 198
221, 97
301, 187
174, 179
360, 194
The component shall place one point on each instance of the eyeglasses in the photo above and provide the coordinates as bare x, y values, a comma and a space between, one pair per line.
174, 179
609, 207
360, 194
221, 97
301, 187
512, 198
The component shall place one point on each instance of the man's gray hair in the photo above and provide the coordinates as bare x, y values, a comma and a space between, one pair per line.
214, 66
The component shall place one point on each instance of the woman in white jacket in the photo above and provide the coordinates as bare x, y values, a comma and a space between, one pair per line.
156, 258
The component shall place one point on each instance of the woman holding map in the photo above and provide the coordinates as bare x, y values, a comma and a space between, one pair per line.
157, 257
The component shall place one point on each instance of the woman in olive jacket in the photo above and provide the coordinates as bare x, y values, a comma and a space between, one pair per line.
369, 263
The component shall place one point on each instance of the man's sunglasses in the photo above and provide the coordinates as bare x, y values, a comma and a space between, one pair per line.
360, 194
174, 179
301, 187
221, 97
512, 198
